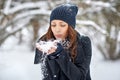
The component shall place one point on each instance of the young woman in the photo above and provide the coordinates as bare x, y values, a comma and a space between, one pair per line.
71, 59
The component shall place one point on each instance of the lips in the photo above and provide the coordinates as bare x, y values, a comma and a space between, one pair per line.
58, 35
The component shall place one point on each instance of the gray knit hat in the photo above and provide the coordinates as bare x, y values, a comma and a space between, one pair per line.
66, 13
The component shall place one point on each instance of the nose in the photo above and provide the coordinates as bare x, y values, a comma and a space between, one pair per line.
57, 29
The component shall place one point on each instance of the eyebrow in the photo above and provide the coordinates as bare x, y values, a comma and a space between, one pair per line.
59, 22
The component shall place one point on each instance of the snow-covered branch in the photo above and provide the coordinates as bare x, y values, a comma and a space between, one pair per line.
92, 23
32, 12
7, 6
118, 37
68, 1
27, 5
13, 31
98, 3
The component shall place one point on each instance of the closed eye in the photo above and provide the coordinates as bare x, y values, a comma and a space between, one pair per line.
53, 25
63, 25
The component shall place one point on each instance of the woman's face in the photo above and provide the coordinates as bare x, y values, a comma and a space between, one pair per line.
59, 29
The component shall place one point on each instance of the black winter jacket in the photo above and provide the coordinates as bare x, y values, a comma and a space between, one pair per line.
62, 68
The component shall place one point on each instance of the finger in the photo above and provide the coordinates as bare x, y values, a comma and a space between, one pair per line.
53, 48
55, 43
48, 52
37, 45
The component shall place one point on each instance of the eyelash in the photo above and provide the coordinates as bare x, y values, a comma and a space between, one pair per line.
60, 25
53, 25
63, 25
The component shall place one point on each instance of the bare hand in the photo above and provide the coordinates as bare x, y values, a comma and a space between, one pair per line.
38, 46
51, 50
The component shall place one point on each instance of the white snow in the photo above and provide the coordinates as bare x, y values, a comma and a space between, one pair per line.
119, 36
113, 33
7, 6
16, 62
98, 3
104, 70
68, 1
46, 45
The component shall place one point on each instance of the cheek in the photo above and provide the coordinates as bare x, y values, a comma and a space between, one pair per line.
53, 30
65, 31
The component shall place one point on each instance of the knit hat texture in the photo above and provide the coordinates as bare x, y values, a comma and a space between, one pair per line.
66, 13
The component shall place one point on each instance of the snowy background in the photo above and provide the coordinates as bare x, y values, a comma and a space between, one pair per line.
22, 22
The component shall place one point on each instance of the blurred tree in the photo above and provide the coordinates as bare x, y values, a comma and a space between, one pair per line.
16, 15
104, 17
112, 18
36, 25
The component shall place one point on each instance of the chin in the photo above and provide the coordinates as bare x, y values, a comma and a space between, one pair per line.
59, 38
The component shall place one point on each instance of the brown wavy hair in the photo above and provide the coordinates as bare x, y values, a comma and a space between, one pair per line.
72, 36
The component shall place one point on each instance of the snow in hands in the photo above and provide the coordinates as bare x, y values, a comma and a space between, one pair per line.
44, 46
